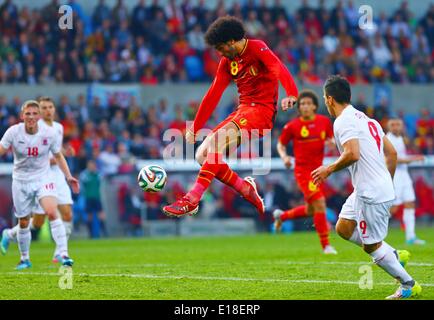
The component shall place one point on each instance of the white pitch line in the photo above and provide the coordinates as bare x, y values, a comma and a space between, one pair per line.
180, 277
220, 264
415, 264
152, 265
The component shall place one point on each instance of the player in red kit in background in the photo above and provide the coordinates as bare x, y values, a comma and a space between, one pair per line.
309, 134
256, 70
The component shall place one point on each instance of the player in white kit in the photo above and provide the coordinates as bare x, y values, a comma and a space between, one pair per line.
64, 197
371, 160
32, 181
404, 190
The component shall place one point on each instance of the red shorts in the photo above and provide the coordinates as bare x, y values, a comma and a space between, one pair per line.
251, 121
310, 191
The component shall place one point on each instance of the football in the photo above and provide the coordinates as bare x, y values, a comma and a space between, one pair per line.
152, 178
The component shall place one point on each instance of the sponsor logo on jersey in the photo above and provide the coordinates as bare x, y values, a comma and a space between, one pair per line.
312, 187
243, 121
253, 71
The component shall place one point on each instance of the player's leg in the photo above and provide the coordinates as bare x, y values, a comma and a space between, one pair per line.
11, 234
318, 209
37, 221
409, 218
210, 154
65, 202
65, 211
23, 199
310, 193
372, 224
346, 227
302, 211
229, 139
49, 204
280, 216
24, 238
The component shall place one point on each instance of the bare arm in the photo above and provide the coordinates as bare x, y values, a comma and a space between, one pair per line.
63, 165
411, 159
391, 156
68, 152
350, 155
281, 149
2, 150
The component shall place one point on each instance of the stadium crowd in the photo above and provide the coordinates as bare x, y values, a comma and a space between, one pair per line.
155, 43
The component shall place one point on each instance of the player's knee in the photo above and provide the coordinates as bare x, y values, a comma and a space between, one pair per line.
66, 213
38, 221
200, 157
319, 205
409, 205
343, 231
67, 217
52, 213
369, 248
24, 222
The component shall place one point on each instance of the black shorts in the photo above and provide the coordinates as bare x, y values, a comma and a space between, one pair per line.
93, 205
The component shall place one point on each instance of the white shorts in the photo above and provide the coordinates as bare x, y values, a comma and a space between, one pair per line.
404, 193
63, 193
372, 219
27, 194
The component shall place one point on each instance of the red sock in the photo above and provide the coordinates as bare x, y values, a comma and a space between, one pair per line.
206, 173
215, 167
320, 222
230, 178
294, 213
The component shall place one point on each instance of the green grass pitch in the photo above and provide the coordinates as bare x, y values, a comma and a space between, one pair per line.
263, 266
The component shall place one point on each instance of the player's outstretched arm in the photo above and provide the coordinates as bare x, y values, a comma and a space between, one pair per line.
63, 165
391, 156
350, 155
210, 101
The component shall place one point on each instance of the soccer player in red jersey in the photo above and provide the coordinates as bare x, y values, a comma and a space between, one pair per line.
256, 70
309, 133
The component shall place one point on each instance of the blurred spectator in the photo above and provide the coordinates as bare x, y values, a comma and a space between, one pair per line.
115, 44
100, 13
109, 161
90, 189
130, 210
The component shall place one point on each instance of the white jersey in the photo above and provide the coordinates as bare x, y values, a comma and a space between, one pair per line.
402, 177
31, 151
58, 128
371, 180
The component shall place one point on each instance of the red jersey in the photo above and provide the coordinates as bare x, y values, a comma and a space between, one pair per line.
256, 72
308, 140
